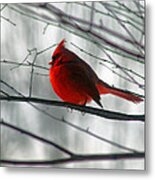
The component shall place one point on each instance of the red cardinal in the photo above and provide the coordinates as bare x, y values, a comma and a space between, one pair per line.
74, 80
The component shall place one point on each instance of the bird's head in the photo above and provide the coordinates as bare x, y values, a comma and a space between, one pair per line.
57, 54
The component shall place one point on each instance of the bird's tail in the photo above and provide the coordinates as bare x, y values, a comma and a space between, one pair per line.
104, 88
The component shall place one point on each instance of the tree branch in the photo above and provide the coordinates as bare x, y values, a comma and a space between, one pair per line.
70, 30
73, 157
32, 135
72, 22
76, 158
99, 112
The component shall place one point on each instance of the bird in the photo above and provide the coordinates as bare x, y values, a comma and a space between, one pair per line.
74, 81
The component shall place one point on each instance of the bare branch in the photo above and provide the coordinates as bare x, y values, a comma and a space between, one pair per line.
32, 135
127, 15
28, 64
87, 131
4, 6
99, 112
123, 70
126, 29
76, 158
8, 20
108, 61
25, 59
139, 15
73, 157
68, 20
32, 70
45, 28
83, 35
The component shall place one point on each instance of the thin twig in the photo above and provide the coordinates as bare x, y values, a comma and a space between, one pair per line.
25, 59
126, 29
8, 20
68, 20
123, 70
45, 28
28, 64
133, 21
76, 33
3, 92
124, 14
32, 71
87, 131
5, 5
130, 10
107, 61
32, 135
91, 16
41, 74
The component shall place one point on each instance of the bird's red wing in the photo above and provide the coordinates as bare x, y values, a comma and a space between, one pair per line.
82, 82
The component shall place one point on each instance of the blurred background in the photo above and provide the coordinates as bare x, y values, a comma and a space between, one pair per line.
108, 35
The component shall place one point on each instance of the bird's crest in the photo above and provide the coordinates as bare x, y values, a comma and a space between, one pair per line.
62, 43
60, 46
57, 51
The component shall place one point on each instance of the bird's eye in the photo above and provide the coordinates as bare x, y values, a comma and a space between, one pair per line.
55, 57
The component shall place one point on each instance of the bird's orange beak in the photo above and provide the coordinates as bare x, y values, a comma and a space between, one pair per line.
50, 63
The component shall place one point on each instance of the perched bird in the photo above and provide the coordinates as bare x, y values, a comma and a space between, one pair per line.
74, 81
